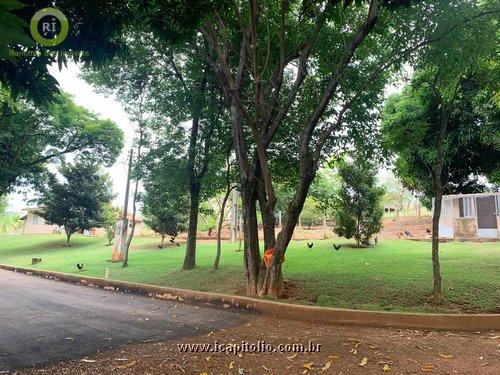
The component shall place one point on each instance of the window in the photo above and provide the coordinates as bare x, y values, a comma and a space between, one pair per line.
497, 205
37, 219
467, 207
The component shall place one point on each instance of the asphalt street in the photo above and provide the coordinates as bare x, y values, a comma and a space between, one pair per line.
44, 321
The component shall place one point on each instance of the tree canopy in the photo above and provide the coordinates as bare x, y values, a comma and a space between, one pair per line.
358, 207
410, 123
33, 136
78, 202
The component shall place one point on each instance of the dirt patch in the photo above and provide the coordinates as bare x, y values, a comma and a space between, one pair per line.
296, 291
342, 350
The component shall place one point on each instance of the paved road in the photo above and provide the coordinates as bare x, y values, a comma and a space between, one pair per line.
44, 321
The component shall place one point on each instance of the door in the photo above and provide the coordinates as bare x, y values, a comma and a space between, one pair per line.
486, 218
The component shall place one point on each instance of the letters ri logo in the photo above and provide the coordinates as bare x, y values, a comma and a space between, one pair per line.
49, 27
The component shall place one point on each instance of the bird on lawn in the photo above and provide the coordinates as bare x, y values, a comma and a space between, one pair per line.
407, 233
428, 230
79, 266
337, 247
310, 245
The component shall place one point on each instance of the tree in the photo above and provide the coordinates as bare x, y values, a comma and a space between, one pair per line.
440, 129
111, 215
77, 203
311, 214
165, 200
9, 222
323, 190
32, 136
358, 210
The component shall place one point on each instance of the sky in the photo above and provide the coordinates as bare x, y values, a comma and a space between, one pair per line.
109, 108
106, 108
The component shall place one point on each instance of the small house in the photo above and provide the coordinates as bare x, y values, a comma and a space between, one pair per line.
35, 224
470, 216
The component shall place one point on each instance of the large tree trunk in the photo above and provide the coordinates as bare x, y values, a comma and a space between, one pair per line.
194, 195
272, 282
190, 257
252, 258
268, 219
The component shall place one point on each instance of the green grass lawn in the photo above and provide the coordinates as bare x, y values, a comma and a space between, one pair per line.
394, 275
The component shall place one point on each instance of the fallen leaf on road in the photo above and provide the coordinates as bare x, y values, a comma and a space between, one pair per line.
428, 368
87, 360
333, 357
70, 338
447, 356
480, 358
363, 362
126, 365
241, 371
308, 365
293, 356
208, 358
265, 368
386, 368
326, 366
231, 365
495, 337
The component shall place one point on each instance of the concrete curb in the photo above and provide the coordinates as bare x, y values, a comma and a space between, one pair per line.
454, 322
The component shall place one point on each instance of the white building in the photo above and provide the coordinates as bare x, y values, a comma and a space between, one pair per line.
470, 216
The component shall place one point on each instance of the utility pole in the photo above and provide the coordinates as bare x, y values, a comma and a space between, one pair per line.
233, 235
120, 245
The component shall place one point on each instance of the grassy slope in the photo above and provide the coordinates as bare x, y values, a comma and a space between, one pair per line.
394, 275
